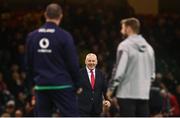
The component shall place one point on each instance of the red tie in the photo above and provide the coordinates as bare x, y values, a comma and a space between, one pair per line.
92, 79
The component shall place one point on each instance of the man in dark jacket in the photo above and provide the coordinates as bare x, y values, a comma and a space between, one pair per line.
94, 87
53, 64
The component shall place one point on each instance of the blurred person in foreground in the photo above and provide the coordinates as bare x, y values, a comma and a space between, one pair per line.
134, 69
53, 64
94, 87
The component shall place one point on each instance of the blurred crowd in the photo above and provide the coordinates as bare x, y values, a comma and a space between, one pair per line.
95, 28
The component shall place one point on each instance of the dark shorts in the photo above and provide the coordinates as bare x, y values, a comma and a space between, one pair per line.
64, 100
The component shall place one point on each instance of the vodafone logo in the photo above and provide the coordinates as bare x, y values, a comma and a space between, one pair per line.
44, 43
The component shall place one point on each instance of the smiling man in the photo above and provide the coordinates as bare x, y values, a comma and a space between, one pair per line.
94, 87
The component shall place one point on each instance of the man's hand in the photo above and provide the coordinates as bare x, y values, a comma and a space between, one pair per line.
109, 94
33, 101
106, 106
106, 103
79, 91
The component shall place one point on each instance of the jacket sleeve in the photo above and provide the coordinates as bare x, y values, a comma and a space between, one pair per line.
29, 63
119, 68
153, 66
71, 59
104, 86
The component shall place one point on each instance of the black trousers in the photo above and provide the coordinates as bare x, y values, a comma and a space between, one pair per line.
133, 107
64, 100
91, 113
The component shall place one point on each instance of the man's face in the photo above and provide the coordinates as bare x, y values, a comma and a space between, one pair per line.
91, 61
124, 30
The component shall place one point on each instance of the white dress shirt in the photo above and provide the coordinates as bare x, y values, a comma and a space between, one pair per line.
89, 73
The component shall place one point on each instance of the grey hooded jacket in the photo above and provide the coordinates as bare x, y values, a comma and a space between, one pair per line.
134, 68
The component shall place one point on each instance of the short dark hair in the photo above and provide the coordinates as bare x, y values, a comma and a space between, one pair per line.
53, 11
133, 23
